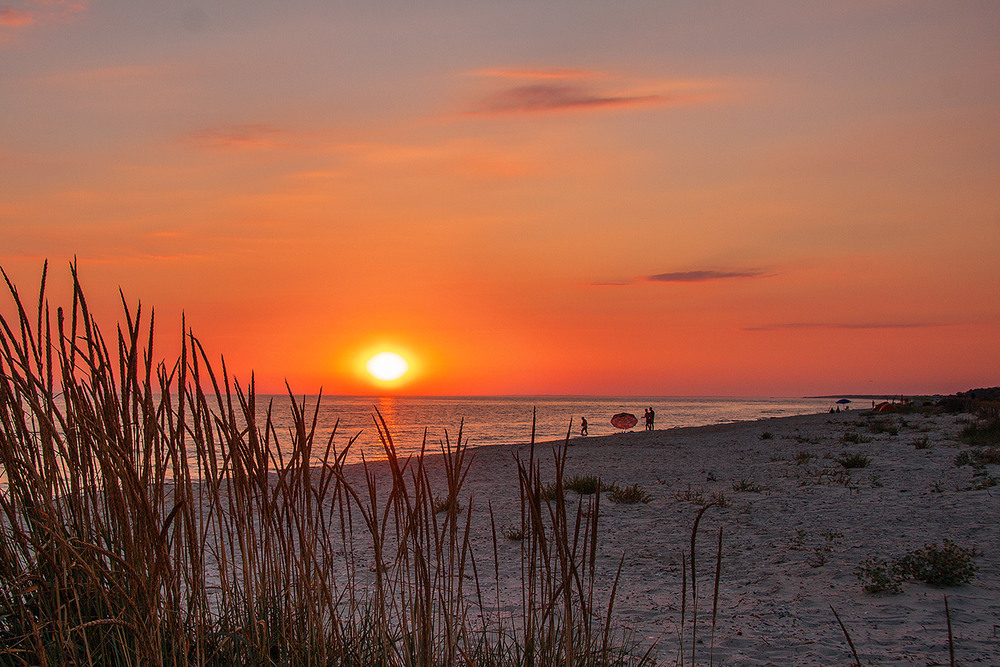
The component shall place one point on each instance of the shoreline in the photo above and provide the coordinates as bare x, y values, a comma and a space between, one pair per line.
796, 525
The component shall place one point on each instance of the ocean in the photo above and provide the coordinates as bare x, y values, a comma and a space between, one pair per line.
507, 419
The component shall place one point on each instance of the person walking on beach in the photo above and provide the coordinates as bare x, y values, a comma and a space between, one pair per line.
583, 426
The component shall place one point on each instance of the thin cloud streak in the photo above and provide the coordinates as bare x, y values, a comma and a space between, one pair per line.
702, 276
843, 325
240, 137
15, 18
611, 283
37, 11
549, 97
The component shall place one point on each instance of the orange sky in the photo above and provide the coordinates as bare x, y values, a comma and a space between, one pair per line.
668, 198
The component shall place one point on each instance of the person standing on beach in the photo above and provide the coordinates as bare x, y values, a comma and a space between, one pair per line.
583, 426
650, 416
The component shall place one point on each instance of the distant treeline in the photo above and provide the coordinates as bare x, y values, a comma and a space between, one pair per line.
982, 394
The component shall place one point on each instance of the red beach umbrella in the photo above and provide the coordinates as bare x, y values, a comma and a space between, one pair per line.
624, 420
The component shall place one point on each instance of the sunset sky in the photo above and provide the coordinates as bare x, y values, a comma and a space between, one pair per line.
635, 197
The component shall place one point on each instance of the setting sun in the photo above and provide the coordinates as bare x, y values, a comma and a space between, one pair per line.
387, 366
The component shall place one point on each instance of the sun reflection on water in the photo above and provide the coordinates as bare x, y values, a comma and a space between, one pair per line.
388, 408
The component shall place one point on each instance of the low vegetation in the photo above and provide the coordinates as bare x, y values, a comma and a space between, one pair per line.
150, 516
945, 565
852, 460
691, 495
803, 457
628, 495
584, 484
515, 534
747, 486
888, 426
981, 432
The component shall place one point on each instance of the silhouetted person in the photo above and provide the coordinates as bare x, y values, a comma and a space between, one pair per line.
583, 426
650, 416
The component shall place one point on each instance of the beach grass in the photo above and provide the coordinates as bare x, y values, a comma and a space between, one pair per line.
852, 460
982, 432
149, 515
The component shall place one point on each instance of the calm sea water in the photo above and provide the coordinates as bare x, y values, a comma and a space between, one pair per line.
507, 419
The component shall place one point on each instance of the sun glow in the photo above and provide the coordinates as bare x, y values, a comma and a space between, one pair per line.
387, 366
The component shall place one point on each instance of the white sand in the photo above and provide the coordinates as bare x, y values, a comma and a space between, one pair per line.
790, 551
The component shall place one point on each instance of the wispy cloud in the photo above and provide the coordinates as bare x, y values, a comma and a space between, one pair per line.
611, 283
38, 11
703, 276
860, 326
544, 97
255, 136
547, 90
15, 18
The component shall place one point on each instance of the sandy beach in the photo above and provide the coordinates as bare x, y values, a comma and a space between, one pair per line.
796, 525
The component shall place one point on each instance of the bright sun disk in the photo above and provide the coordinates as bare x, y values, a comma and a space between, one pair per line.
387, 366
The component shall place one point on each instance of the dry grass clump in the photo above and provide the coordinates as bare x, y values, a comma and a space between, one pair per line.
149, 515
747, 486
981, 432
890, 426
854, 438
691, 495
628, 495
514, 533
852, 460
978, 457
449, 504
802, 457
945, 565
988, 456
585, 485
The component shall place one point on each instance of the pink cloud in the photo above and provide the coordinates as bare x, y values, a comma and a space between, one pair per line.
546, 90
544, 97
15, 17
37, 11
255, 136
702, 276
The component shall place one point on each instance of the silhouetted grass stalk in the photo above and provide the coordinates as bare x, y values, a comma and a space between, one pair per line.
847, 635
688, 570
148, 515
951, 638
